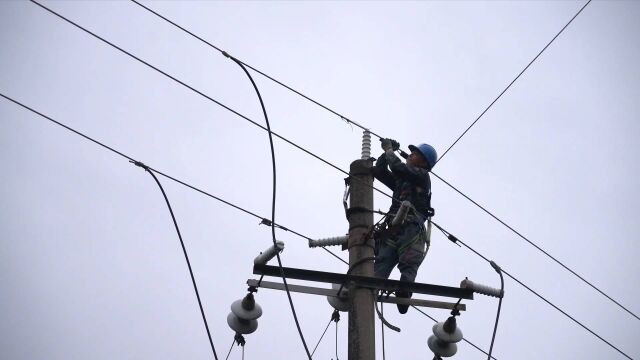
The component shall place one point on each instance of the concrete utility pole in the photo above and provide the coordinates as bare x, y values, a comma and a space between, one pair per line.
361, 316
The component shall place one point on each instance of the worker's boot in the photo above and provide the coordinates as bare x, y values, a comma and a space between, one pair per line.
404, 295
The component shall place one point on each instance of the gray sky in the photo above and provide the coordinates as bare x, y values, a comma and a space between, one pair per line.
90, 262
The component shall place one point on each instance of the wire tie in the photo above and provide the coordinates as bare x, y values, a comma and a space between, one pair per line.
453, 239
266, 222
495, 266
226, 54
139, 164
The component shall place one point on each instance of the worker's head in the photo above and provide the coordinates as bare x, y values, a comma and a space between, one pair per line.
423, 155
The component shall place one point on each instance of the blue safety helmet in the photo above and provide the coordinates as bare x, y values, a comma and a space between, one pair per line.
428, 152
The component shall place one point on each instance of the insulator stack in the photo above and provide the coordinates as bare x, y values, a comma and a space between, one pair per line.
340, 303
244, 314
444, 338
481, 289
366, 145
337, 240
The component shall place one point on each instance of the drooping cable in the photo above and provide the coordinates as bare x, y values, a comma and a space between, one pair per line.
186, 185
184, 250
273, 205
495, 327
360, 126
455, 240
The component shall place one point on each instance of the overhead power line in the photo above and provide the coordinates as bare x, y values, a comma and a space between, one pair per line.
456, 240
183, 183
512, 82
456, 141
131, 159
159, 71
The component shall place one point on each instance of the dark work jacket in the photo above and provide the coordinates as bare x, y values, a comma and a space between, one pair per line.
407, 182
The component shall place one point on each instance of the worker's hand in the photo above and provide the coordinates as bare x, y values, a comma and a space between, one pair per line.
389, 144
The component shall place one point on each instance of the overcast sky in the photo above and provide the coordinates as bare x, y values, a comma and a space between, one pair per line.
91, 266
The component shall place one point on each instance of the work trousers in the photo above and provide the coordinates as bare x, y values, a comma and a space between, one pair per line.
405, 247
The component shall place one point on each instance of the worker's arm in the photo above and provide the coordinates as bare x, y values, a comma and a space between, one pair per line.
382, 173
416, 175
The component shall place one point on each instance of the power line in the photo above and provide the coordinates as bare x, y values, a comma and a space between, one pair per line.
513, 81
251, 67
535, 246
184, 250
360, 126
455, 240
180, 182
162, 173
184, 84
273, 207
253, 122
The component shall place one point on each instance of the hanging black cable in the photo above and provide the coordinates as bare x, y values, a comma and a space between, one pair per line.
360, 126
455, 240
273, 204
184, 250
495, 327
190, 187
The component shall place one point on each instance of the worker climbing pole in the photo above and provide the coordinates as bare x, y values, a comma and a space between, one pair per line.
403, 239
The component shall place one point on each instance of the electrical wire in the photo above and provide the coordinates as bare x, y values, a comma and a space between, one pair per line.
373, 133
184, 84
186, 257
186, 185
230, 348
495, 327
512, 82
273, 206
321, 337
384, 355
455, 240
162, 173
535, 246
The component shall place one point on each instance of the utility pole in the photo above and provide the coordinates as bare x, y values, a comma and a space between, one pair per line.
359, 279
361, 313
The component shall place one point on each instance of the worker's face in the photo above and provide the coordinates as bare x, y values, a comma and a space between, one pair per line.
416, 159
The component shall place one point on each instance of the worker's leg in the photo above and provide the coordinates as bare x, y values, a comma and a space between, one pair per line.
413, 247
410, 260
386, 260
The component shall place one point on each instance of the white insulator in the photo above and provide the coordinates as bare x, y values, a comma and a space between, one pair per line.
481, 289
269, 254
366, 145
402, 213
337, 240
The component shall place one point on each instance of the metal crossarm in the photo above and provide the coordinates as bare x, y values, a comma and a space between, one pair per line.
364, 281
